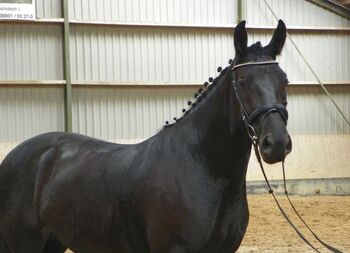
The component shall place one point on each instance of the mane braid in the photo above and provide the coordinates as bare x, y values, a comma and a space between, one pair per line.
199, 96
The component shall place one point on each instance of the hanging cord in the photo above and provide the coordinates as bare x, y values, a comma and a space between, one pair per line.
302, 220
258, 157
332, 249
311, 69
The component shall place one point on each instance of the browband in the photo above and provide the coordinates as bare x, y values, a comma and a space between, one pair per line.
254, 63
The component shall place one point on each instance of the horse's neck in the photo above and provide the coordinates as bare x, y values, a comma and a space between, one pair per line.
225, 150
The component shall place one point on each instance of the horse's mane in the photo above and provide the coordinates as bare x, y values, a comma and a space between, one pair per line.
200, 95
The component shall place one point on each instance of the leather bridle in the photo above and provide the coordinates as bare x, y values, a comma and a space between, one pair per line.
248, 120
263, 111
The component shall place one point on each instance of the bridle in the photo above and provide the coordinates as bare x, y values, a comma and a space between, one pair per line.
263, 111
248, 120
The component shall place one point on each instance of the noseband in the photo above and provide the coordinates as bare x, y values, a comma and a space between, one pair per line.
264, 111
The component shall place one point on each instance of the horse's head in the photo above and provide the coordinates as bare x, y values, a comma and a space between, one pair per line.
260, 87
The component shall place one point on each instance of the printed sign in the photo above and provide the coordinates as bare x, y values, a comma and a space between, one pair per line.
17, 9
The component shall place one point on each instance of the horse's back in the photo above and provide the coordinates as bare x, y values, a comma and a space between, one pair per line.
18, 169
80, 197
47, 176
22, 163
35, 162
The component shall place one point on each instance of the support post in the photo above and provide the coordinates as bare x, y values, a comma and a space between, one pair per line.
67, 69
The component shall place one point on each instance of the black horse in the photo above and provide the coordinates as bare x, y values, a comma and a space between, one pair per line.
182, 190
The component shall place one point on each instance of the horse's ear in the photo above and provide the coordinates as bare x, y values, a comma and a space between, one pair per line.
240, 37
279, 37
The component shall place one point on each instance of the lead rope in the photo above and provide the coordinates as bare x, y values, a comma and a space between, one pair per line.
302, 220
258, 157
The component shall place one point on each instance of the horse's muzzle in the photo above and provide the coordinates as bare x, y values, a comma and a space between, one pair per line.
275, 150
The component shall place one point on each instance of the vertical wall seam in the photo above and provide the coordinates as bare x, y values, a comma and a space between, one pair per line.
67, 69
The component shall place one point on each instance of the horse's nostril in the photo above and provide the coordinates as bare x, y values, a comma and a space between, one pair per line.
275, 149
267, 143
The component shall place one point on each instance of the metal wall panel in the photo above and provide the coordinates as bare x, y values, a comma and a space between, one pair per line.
25, 112
155, 55
138, 113
126, 113
327, 53
156, 11
48, 8
179, 56
312, 112
30, 52
293, 12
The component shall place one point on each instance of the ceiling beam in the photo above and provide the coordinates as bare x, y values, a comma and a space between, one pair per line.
332, 6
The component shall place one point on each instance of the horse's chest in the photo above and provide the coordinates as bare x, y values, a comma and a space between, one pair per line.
229, 229
201, 229
223, 227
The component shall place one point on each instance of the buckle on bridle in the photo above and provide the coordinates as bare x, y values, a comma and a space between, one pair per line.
252, 134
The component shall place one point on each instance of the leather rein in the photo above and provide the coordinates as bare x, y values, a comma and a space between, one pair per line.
248, 120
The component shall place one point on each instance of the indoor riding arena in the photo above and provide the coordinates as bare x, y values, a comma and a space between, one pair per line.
140, 73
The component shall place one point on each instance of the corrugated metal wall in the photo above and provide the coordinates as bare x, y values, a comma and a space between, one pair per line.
110, 44
48, 9
156, 11
26, 112
293, 12
30, 52
138, 113
312, 112
125, 113
151, 55
328, 54
160, 55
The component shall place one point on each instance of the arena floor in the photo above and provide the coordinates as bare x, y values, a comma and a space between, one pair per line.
328, 216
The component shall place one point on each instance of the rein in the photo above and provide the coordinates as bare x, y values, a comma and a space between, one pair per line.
248, 121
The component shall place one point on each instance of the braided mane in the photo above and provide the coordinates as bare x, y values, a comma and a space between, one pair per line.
200, 95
